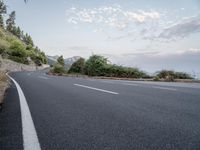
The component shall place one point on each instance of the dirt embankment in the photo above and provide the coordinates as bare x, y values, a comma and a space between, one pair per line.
4, 83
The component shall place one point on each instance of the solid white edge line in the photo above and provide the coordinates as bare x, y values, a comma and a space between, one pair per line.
97, 89
30, 138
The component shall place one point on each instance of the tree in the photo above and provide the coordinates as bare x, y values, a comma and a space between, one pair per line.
61, 61
3, 11
1, 21
10, 22
58, 69
28, 40
18, 32
78, 66
95, 65
37, 50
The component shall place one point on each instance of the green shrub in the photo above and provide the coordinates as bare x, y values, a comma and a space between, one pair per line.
17, 52
22, 60
95, 65
58, 69
170, 75
98, 66
183, 75
4, 45
156, 78
29, 47
78, 66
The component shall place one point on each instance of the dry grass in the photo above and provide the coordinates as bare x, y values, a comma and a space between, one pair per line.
3, 85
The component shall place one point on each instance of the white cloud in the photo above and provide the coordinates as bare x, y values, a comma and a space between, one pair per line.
172, 30
112, 16
148, 24
182, 29
141, 16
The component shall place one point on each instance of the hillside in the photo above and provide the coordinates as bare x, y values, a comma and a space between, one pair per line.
11, 47
15, 44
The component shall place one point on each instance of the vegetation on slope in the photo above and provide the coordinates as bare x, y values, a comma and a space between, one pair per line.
15, 44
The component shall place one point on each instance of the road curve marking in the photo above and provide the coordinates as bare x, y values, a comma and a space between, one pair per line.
97, 89
30, 139
164, 88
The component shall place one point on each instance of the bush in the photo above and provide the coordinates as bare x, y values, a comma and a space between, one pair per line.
170, 75
17, 49
78, 66
156, 78
95, 65
17, 52
29, 47
4, 45
183, 75
22, 60
98, 66
58, 69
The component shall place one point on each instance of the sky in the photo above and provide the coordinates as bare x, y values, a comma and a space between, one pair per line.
149, 34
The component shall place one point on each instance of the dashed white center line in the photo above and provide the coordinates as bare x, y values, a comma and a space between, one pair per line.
108, 82
97, 89
131, 84
164, 88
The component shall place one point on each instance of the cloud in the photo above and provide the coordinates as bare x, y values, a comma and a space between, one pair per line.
111, 16
182, 29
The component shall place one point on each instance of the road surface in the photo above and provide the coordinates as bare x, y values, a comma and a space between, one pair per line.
89, 114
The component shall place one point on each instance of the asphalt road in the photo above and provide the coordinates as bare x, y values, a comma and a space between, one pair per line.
89, 114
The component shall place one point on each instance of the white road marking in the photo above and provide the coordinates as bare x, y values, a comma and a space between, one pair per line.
131, 84
30, 139
108, 82
41, 77
164, 88
92, 88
